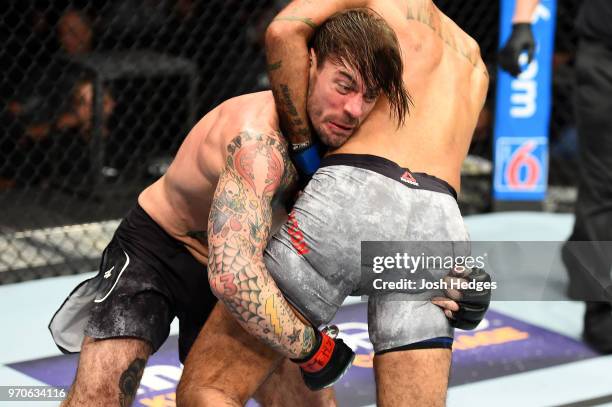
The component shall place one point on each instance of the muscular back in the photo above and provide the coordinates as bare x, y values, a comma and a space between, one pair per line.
180, 201
445, 75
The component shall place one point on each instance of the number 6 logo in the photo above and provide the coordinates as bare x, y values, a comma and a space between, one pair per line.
523, 159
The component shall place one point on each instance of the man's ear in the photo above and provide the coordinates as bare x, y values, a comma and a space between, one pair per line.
312, 69
312, 57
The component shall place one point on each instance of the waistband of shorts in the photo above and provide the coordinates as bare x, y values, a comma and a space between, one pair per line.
139, 228
390, 169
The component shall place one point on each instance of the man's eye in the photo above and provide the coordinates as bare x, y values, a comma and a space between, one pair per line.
370, 98
344, 89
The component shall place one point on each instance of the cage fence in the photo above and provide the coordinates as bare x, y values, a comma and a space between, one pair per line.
96, 96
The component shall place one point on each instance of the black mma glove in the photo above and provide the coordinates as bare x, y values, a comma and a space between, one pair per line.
520, 40
473, 304
328, 361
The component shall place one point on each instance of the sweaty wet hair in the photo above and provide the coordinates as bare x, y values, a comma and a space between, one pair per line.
361, 40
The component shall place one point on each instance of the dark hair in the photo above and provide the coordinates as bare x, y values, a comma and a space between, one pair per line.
361, 40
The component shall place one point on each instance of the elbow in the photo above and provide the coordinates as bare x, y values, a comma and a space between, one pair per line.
213, 288
274, 36
283, 36
216, 285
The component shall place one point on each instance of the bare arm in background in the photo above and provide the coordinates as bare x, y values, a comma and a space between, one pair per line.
521, 39
523, 10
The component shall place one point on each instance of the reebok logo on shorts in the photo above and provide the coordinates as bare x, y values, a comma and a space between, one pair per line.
109, 272
107, 280
408, 178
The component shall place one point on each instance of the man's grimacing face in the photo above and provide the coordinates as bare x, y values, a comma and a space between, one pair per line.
337, 101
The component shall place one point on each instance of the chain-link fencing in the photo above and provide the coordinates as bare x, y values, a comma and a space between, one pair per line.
96, 96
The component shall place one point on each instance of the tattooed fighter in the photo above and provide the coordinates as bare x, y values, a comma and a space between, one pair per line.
214, 207
385, 182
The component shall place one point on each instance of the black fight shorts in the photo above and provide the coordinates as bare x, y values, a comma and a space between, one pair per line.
146, 278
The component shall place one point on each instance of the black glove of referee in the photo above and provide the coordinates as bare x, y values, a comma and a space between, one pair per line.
520, 40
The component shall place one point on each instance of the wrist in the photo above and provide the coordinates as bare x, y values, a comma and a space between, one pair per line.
312, 343
320, 355
524, 10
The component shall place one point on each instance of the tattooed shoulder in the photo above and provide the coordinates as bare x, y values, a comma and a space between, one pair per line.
272, 138
281, 177
424, 12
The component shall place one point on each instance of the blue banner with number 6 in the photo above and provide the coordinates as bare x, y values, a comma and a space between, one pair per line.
522, 112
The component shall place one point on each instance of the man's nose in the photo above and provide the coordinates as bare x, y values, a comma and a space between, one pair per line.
354, 106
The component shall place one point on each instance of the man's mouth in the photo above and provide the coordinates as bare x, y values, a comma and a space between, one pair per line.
342, 127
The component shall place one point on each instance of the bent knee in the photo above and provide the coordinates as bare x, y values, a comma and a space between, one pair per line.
192, 396
109, 372
93, 394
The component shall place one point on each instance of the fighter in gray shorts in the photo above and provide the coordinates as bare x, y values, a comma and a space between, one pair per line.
315, 258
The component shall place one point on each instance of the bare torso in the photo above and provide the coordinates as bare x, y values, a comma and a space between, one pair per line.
444, 74
180, 201
447, 80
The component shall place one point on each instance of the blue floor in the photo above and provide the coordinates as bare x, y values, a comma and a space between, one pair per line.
570, 374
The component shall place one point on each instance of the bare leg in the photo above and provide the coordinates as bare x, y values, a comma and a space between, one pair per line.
109, 372
412, 378
285, 387
225, 366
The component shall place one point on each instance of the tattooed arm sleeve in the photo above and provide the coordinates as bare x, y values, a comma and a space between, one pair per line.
287, 55
238, 230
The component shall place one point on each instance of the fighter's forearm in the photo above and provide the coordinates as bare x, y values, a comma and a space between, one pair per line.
239, 227
245, 287
523, 10
288, 64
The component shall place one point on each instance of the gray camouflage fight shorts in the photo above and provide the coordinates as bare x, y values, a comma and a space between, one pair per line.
315, 257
